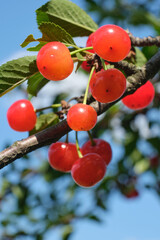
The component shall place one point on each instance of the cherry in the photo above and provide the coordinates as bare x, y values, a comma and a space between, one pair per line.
21, 116
62, 156
88, 170
141, 98
101, 147
111, 43
132, 193
54, 61
108, 85
88, 44
85, 65
81, 117
155, 161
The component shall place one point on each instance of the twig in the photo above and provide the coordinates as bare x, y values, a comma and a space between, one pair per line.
146, 41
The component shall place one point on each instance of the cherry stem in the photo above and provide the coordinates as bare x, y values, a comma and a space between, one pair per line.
67, 138
103, 64
75, 59
72, 45
91, 138
81, 50
77, 146
52, 106
87, 88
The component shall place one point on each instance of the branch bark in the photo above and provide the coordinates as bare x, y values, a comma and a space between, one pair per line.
146, 41
54, 133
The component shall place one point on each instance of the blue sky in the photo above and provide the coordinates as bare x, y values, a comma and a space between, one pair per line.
126, 219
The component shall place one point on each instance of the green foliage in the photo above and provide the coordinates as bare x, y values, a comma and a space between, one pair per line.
67, 232
140, 58
67, 15
149, 51
15, 72
45, 121
50, 32
35, 83
53, 32
28, 40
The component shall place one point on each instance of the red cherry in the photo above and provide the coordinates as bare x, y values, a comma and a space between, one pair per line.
154, 162
108, 85
88, 44
141, 98
21, 116
101, 147
111, 43
88, 170
132, 193
81, 117
85, 65
54, 61
62, 156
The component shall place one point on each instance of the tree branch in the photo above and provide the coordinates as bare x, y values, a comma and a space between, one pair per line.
54, 133
146, 41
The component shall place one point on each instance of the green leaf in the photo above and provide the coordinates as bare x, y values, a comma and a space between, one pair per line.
94, 218
141, 166
15, 72
149, 51
140, 58
31, 39
67, 15
154, 21
28, 40
155, 143
78, 65
37, 48
67, 232
44, 121
53, 32
35, 83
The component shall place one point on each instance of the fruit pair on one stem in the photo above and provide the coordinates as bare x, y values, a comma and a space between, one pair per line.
86, 170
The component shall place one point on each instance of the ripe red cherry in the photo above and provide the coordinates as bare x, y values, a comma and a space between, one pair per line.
88, 44
108, 85
101, 147
132, 193
62, 156
88, 170
155, 161
141, 98
21, 116
81, 117
54, 61
111, 43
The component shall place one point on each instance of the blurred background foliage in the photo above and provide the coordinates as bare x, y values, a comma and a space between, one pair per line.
34, 198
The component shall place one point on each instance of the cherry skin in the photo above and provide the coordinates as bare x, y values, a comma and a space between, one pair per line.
141, 98
101, 147
54, 61
88, 44
21, 116
111, 43
155, 162
85, 65
62, 156
132, 193
108, 85
88, 170
81, 117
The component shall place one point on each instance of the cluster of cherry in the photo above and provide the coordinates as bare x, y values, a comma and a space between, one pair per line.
54, 61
